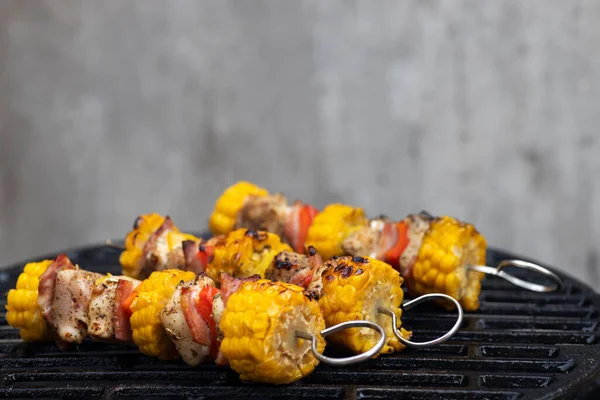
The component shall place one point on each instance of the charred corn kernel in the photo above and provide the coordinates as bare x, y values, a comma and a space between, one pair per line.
259, 325
353, 289
151, 297
243, 253
22, 307
440, 267
222, 220
332, 225
144, 227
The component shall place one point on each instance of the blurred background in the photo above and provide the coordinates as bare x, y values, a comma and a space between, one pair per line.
484, 110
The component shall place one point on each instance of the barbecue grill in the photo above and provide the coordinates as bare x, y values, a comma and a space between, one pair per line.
519, 345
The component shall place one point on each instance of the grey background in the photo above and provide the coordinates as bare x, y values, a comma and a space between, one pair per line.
485, 110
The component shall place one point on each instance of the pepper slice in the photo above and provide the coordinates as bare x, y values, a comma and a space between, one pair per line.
126, 304
204, 253
306, 214
204, 308
392, 256
198, 325
124, 296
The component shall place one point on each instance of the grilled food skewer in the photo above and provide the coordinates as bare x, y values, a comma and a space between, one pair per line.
244, 252
367, 283
434, 255
168, 317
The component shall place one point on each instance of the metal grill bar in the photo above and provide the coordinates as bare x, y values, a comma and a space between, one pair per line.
518, 345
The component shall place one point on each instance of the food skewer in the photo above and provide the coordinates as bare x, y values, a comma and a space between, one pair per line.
365, 282
446, 264
289, 325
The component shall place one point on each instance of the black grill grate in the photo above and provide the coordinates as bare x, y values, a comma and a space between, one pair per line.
519, 345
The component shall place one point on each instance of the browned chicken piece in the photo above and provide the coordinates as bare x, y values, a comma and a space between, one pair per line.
266, 213
101, 315
297, 269
185, 325
372, 240
69, 311
47, 284
418, 225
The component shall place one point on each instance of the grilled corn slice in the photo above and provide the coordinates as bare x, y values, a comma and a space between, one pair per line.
439, 260
224, 216
134, 259
352, 289
243, 253
259, 324
332, 225
22, 307
150, 298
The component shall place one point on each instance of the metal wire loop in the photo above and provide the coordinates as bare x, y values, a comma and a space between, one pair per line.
410, 304
534, 287
340, 327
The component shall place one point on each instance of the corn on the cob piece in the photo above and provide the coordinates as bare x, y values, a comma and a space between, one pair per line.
259, 324
352, 289
243, 253
22, 308
225, 213
436, 259
332, 225
150, 298
155, 243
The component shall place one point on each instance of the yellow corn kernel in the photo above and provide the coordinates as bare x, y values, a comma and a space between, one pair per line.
243, 253
259, 325
224, 215
448, 247
332, 225
151, 297
22, 310
354, 288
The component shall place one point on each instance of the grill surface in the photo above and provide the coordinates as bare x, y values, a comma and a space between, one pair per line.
519, 345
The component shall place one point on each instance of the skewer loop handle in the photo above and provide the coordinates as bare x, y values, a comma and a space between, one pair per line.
410, 304
340, 362
534, 287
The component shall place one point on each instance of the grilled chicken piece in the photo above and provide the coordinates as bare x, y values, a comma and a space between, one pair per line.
185, 325
158, 253
373, 240
70, 304
47, 283
418, 225
103, 309
265, 213
294, 268
154, 244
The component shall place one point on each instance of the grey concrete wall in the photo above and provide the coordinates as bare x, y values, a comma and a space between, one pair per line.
486, 110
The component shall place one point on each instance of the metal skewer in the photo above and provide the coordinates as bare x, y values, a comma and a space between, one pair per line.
534, 287
340, 362
410, 304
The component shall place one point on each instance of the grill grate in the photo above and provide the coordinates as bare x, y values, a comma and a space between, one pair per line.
519, 345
